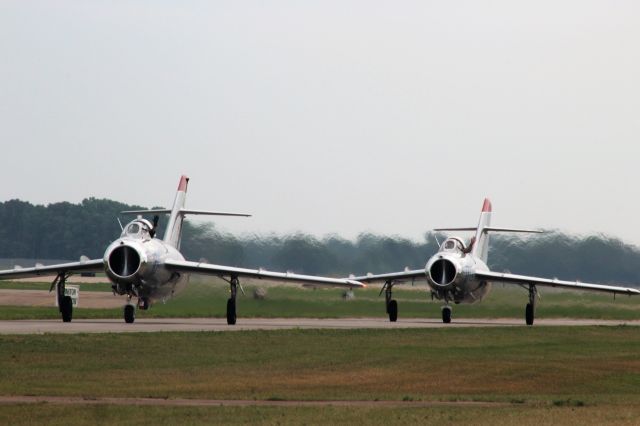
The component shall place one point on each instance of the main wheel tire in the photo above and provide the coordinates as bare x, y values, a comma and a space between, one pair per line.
129, 314
446, 315
392, 309
66, 308
231, 312
529, 314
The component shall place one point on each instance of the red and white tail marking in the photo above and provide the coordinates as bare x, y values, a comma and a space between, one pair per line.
481, 242
182, 186
486, 207
173, 232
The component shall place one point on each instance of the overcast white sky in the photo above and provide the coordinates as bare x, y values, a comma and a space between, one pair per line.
329, 116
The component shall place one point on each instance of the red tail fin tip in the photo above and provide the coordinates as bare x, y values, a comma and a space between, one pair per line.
486, 207
182, 186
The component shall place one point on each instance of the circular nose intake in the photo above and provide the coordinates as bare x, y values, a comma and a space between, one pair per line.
124, 261
443, 272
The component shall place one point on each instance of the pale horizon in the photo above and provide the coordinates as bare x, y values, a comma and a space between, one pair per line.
329, 117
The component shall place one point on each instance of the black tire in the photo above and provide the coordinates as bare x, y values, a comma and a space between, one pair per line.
392, 309
129, 314
529, 314
231, 312
66, 308
446, 315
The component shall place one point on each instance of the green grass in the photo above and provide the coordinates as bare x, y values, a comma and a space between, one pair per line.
560, 375
101, 415
208, 299
589, 364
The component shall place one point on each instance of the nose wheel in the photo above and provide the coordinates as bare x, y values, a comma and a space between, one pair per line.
446, 314
129, 313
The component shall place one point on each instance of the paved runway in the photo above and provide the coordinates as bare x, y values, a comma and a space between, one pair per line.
218, 324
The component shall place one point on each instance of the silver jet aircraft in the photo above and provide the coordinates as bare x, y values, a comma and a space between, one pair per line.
458, 273
141, 266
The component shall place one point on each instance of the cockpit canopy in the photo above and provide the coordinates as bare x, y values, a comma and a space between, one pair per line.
139, 228
452, 244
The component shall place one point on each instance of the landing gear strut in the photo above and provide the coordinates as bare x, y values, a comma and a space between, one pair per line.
392, 305
234, 283
65, 304
531, 306
143, 303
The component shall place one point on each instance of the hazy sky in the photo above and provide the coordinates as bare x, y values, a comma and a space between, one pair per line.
329, 116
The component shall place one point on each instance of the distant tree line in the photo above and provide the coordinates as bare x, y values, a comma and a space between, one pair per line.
67, 231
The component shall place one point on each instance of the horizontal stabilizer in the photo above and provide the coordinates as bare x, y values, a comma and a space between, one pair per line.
492, 229
529, 231
185, 212
156, 211
456, 229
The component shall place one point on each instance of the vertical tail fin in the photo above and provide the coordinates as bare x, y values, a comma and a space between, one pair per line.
173, 232
481, 244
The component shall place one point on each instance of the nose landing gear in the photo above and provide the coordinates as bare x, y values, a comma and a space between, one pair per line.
446, 314
143, 303
129, 313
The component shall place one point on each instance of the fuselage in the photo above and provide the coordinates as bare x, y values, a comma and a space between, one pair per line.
135, 263
451, 274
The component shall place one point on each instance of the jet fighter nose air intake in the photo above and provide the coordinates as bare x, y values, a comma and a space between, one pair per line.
443, 272
124, 261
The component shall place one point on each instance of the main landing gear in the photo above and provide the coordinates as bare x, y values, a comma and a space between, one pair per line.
234, 283
392, 305
530, 310
65, 304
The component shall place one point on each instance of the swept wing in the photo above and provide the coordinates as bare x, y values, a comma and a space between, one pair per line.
397, 277
94, 265
497, 277
183, 266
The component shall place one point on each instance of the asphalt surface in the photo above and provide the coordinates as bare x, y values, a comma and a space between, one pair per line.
216, 324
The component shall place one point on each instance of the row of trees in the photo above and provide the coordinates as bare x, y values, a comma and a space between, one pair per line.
67, 231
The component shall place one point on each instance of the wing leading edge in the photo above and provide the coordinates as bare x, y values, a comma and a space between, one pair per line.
497, 277
397, 277
95, 265
227, 271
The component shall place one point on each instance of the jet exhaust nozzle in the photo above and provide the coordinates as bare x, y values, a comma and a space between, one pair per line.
124, 261
443, 272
